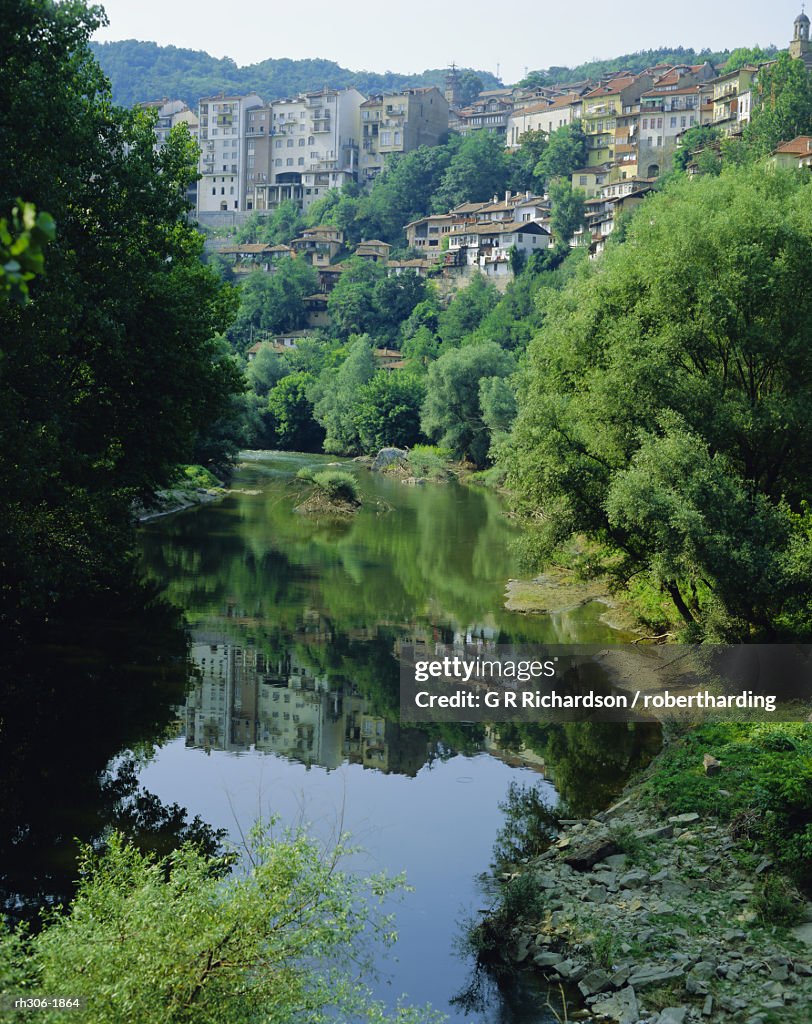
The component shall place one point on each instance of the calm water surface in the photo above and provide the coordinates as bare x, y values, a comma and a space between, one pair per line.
293, 710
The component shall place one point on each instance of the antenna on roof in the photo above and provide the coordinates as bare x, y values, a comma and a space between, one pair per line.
497, 68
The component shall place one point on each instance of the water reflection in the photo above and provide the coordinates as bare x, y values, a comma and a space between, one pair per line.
100, 675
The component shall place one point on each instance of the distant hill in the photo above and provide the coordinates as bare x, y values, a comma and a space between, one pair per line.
140, 71
645, 59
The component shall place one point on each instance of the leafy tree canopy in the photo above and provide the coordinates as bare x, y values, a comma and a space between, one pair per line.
110, 372
666, 411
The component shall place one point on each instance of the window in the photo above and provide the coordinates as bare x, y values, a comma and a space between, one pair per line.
289, 162
214, 191
659, 123
674, 122
300, 161
277, 163
290, 143
682, 122
645, 123
301, 142
659, 140
278, 144
582, 180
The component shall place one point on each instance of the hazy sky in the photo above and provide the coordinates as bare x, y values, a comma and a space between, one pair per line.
486, 34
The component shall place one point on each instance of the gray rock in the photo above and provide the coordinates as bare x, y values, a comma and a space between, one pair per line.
683, 819
804, 934
573, 970
617, 862
386, 456
594, 982
587, 856
634, 879
597, 894
802, 969
707, 1007
544, 881
547, 959
652, 834
650, 974
673, 1015
621, 1007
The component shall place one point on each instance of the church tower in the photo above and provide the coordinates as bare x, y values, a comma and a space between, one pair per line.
799, 48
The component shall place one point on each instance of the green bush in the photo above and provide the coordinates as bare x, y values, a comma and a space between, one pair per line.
199, 476
337, 485
428, 460
306, 474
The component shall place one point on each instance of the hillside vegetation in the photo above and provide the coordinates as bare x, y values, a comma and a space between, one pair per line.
140, 71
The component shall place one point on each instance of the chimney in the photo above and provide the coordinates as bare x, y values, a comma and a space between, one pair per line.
507, 196
496, 199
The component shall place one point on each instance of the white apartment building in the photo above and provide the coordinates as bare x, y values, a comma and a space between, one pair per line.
223, 151
300, 148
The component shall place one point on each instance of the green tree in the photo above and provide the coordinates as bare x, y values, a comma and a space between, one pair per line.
168, 941
783, 108
292, 419
568, 212
566, 152
698, 137
523, 161
666, 408
452, 412
747, 55
366, 300
277, 228
387, 412
336, 397
111, 371
477, 171
272, 303
265, 370
466, 311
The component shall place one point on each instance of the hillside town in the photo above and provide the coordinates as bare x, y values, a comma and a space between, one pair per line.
256, 155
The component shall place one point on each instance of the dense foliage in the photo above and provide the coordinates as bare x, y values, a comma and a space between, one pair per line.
141, 71
110, 371
665, 411
167, 941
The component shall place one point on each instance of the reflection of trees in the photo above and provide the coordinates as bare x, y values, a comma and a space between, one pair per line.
440, 556
591, 761
98, 677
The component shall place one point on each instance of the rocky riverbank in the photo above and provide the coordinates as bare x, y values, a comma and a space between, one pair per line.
657, 921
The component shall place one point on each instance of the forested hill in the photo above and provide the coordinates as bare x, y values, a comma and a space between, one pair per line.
141, 71
642, 59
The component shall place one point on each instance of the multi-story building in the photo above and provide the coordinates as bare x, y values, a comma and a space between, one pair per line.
304, 147
544, 116
399, 123
726, 92
490, 111
603, 107
672, 106
223, 151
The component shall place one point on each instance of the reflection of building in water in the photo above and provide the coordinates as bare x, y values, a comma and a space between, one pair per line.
244, 698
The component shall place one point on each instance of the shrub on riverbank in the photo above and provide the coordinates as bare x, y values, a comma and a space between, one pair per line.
337, 485
167, 940
429, 461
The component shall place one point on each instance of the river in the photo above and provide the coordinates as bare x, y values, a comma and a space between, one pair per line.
295, 711
292, 708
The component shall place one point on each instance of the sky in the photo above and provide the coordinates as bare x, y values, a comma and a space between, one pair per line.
504, 38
